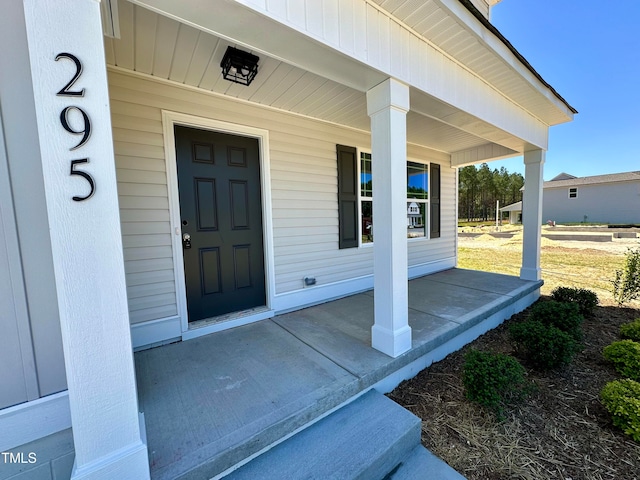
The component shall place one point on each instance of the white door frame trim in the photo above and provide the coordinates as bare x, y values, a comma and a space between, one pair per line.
169, 119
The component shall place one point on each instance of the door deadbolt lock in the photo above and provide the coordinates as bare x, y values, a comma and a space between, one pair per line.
186, 241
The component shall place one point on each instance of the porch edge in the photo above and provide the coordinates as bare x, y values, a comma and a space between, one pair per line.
33, 420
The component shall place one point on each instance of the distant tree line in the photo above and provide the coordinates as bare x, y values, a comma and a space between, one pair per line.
480, 187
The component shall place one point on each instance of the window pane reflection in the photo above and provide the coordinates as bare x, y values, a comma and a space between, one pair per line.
417, 180
416, 219
367, 222
365, 175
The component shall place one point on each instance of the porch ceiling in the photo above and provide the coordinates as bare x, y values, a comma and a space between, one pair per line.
162, 47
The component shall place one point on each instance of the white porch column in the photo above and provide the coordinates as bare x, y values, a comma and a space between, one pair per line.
532, 214
387, 105
70, 103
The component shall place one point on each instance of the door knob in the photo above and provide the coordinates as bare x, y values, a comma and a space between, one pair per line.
186, 241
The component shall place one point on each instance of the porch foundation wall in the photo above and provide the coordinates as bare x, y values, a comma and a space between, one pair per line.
409, 371
47, 458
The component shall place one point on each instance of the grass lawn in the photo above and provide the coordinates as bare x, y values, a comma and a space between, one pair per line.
561, 266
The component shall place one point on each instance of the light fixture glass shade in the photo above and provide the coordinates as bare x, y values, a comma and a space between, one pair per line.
239, 66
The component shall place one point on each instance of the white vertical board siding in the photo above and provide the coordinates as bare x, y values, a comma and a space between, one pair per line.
303, 191
373, 35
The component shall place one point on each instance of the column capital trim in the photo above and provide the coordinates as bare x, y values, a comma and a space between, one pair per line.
535, 156
389, 94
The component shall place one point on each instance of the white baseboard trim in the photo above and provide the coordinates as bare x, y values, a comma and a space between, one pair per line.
155, 331
431, 267
30, 421
307, 297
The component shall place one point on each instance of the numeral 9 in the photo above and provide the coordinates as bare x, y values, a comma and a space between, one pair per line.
85, 132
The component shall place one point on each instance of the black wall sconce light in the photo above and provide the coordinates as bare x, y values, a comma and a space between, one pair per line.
239, 66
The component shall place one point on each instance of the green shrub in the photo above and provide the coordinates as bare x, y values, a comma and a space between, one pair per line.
631, 331
585, 299
626, 285
494, 380
622, 399
625, 356
565, 316
543, 346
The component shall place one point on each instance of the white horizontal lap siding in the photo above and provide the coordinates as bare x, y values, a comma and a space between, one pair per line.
303, 190
303, 172
144, 211
305, 207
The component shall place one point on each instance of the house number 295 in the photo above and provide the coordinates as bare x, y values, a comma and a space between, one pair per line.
84, 131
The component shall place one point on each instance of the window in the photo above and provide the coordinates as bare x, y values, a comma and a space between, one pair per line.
417, 199
573, 192
355, 198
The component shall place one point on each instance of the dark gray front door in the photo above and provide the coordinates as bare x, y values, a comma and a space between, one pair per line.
221, 212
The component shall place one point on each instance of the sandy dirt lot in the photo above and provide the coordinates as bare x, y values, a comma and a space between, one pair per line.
485, 240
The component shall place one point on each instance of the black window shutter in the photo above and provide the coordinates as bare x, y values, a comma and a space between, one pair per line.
434, 200
347, 197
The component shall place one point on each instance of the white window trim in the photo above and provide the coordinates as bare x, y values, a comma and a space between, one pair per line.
576, 192
427, 210
427, 229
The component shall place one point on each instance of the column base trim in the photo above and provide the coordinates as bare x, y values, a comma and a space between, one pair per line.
131, 461
532, 274
391, 342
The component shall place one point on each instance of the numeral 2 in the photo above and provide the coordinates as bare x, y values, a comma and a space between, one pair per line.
65, 92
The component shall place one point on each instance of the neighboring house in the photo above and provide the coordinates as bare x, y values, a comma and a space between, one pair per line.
613, 198
127, 159
515, 212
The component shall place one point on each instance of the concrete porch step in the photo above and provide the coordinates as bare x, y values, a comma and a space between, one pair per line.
368, 439
421, 464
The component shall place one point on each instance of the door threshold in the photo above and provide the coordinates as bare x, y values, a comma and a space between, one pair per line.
226, 321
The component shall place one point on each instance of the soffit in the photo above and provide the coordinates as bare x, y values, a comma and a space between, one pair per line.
474, 46
159, 46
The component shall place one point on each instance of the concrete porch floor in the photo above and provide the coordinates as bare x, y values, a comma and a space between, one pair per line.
212, 402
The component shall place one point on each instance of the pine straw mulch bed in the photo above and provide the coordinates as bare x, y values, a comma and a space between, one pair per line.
561, 432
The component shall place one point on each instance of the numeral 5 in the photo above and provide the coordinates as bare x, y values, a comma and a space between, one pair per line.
84, 175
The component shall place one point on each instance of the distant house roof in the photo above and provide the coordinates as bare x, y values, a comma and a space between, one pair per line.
514, 207
563, 176
566, 180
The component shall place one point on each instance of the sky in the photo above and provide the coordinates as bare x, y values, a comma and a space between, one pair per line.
589, 52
